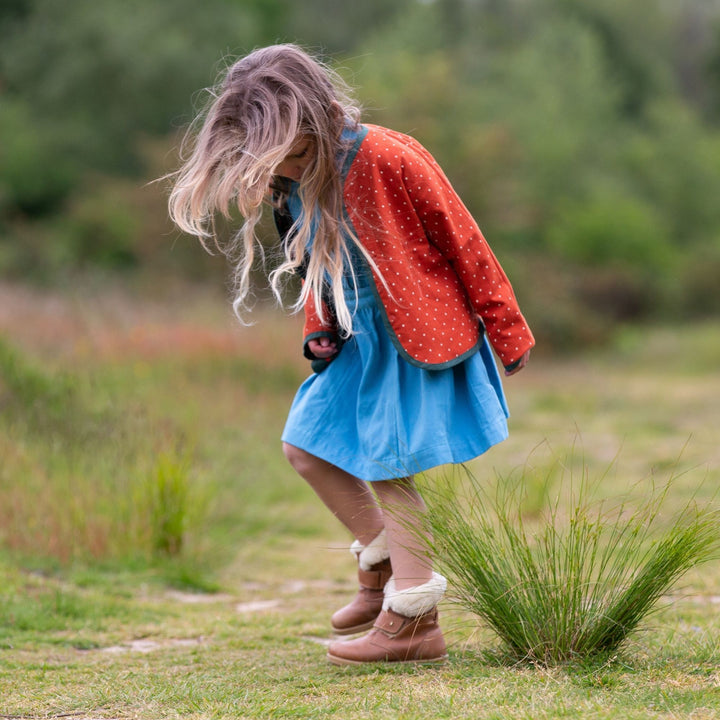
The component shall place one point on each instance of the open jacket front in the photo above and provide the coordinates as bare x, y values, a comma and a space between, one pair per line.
441, 284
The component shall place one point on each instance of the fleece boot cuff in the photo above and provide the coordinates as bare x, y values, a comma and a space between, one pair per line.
373, 553
415, 601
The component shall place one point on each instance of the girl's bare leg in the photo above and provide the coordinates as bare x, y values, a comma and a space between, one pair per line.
353, 503
402, 507
406, 628
347, 497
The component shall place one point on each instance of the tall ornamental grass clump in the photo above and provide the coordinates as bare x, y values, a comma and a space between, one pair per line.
569, 583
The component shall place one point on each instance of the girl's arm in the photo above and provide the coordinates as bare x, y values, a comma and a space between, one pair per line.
450, 227
321, 340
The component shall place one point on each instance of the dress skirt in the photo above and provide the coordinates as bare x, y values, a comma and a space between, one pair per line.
378, 417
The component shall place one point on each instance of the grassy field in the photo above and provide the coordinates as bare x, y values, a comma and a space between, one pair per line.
161, 560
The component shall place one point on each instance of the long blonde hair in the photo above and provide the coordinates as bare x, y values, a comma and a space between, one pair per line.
256, 114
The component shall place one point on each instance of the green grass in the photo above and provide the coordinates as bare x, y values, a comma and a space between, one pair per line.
97, 622
145, 653
573, 582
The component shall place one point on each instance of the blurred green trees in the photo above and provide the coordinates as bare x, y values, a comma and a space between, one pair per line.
583, 134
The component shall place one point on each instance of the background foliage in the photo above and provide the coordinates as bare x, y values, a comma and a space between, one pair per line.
582, 134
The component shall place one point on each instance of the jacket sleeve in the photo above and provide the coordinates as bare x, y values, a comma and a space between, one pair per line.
315, 327
449, 226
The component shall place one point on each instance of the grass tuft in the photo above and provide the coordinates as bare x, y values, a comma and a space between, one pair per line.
170, 502
572, 584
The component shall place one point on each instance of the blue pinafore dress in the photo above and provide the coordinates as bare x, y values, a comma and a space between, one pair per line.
378, 417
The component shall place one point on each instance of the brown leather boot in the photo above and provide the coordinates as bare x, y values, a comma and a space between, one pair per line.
361, 613
394, 638
398, 637
374, 571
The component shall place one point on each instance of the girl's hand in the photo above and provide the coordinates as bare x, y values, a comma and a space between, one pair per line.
521, 363
323, 347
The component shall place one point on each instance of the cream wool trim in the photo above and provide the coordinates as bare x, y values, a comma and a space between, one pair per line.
373, 553
415, 601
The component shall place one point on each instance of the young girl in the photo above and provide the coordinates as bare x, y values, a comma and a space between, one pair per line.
402, 300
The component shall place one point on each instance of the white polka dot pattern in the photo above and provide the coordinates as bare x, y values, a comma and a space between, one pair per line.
439, 271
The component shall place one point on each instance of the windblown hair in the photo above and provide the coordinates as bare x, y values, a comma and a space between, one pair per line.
264, 104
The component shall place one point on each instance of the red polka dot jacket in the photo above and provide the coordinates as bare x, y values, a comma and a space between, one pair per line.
444, 284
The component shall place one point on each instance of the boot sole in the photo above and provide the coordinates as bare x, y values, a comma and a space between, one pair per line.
336, 660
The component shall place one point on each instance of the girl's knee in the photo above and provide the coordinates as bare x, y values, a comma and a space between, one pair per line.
301, 461
290, 452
